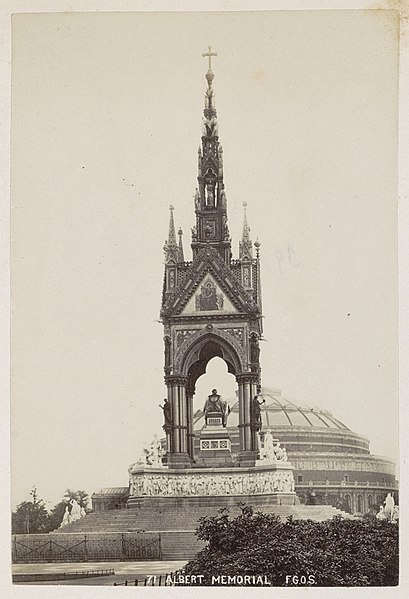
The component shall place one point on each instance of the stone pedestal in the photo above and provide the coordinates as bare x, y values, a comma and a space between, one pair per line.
214, 443
265, 485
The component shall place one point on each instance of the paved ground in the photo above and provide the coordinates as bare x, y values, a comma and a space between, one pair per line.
123, 571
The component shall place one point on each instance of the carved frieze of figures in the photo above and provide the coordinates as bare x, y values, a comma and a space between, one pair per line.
168, 485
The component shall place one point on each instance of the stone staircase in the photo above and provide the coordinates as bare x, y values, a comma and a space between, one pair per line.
176, 525
163, 517
180, 545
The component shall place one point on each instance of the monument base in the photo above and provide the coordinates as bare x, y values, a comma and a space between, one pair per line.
272, 484
193, 504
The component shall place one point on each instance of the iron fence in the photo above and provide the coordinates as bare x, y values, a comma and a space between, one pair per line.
86, 547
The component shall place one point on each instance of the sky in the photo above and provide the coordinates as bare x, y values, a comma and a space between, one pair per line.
106, 122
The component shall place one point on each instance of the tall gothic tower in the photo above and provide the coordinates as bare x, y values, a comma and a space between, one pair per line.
211, 306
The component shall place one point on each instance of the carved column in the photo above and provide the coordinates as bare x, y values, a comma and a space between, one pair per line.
178, 456
247, 383
190, 391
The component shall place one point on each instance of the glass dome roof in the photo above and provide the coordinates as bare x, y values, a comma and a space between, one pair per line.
278, 411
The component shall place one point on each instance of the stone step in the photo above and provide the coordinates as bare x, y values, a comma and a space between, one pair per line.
160, 518
180, 544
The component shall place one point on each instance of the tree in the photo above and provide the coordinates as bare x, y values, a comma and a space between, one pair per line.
81, 497
337, 552
30, 516
56, 515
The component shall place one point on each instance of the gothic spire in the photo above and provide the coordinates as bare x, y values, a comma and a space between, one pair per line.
171, 248
210, 198
245, 245
246, 229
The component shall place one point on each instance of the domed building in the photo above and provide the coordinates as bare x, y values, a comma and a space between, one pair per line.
332, 464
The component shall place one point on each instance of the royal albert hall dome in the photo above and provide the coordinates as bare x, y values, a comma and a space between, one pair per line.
332, 464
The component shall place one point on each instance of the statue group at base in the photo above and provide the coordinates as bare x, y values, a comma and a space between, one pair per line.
152, 454
272, 450
74, 514
390, 512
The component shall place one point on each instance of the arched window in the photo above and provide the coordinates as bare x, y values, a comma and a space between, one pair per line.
360, 504
347, 502
370, 501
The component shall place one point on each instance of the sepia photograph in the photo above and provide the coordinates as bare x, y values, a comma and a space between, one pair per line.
204, 299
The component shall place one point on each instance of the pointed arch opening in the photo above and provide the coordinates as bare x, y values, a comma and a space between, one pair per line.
203, 349
216, 376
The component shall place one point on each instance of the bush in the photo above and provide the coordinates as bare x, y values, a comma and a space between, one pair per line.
337, 552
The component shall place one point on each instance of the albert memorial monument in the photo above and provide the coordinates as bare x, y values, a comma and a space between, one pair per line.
259, 448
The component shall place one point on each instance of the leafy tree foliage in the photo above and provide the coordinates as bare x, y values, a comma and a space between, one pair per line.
30, 516
337, 552
56, 516
81, 497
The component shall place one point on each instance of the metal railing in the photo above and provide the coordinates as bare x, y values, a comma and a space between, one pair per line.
55, 547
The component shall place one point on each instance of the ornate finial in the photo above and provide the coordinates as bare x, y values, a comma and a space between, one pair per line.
181, 255
257, 245
209, 75
171, 207
209, 54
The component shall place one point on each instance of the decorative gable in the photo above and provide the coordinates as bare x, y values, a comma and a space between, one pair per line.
209, 299
209, 287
